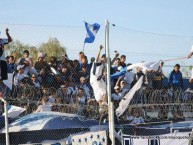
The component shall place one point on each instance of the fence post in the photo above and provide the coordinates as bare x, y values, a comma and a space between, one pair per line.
110, 104
6, 121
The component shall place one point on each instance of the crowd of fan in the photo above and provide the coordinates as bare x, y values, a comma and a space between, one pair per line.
66, 82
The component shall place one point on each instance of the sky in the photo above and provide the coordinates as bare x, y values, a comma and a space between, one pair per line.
168, 23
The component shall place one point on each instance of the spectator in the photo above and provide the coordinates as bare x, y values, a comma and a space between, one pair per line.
19, 75
62, 62
117, 95
11, 66
40, 64
66, 94
22, 59
175, 78
28, 70
122, 61
137, 118
34, 81
90, 64
128, 77
150, 76
81, 99
85, 87
122, 84
65, 73
96, 81
7, 59
117, 65
84, 72
81, 56
3, 61
44, 106
158, 78
53, 62
75, 71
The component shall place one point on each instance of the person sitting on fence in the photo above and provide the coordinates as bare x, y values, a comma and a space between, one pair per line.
96, 81
175, 78
11, 66
44, 106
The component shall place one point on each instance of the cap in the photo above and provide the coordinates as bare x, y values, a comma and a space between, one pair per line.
28, 60
82, 78
116, 87
19, 67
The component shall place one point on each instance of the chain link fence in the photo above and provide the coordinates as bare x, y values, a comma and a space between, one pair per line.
62, 83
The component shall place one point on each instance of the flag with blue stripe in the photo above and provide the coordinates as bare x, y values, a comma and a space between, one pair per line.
91, 32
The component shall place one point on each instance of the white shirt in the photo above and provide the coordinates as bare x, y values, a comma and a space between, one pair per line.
44, 108
99, 69
137, 120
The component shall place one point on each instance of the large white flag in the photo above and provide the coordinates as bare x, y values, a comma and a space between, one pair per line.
14, 111
146, 66
127, 98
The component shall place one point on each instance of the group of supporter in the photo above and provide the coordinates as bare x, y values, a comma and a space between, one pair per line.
64, 81
70, 78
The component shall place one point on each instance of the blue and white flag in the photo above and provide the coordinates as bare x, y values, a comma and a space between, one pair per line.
91, 32
14, 111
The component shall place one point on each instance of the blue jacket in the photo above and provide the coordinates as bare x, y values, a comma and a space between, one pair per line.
175, 79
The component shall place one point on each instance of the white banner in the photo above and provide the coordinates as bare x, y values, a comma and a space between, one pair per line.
127, 98
14, 111
91, 138
9, 81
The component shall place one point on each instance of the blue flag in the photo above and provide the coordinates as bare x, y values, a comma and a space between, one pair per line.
91, 32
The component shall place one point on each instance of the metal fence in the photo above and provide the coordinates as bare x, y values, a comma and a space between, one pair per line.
65, 79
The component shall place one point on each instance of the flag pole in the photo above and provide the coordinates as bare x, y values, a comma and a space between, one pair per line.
83, 47
110, 104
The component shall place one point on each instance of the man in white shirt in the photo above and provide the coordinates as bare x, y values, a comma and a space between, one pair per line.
3, 64
96, 81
